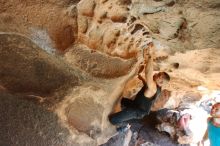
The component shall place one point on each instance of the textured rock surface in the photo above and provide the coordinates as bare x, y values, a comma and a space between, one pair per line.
78, 57
35, 70
23, 123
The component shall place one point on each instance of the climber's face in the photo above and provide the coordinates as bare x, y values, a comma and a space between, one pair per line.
161, 78
215, 112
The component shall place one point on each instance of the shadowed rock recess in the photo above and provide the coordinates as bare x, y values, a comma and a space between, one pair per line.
65, 66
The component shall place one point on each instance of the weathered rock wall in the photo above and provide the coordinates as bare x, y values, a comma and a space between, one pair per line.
87, 53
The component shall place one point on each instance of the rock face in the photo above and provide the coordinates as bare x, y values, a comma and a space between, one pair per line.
77, 58
98, 64
35, 70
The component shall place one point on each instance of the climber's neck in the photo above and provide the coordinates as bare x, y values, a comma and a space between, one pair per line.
216, 122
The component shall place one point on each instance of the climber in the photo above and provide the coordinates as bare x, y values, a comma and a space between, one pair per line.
214, 125
141, 105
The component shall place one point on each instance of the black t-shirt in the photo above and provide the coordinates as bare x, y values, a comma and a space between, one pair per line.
143, 102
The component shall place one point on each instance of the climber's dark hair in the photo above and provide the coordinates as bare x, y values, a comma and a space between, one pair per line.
164, 74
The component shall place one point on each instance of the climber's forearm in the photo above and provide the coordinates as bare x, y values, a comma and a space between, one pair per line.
148, 59
151, 85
